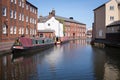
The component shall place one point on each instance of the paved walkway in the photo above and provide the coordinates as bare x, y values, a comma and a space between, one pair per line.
5, 47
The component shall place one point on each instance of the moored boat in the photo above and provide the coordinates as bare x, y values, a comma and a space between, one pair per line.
25, 45
61, 40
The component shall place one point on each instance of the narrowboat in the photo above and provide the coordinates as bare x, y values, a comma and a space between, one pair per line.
61, 41
25, 45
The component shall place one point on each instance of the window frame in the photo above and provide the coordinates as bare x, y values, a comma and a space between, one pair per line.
111, 8
4, 29
11, 13
4, 11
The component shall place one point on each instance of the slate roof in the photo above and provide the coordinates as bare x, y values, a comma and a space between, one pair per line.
68, 20
44, 19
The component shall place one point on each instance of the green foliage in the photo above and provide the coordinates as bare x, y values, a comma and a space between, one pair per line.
62, 22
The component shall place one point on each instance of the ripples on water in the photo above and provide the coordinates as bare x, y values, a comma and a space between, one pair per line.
76, 60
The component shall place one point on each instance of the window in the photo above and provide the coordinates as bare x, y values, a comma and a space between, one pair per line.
20, 16
48, 24
35, 21
19, 2
14, 14
111, 7
22, 5
11, 13
11, 0
112, 29
4, 30
111, 18
26, 18
15, 29
41, 35
35, 31
100, 33
4, 11
30, 9
26, 30
30, 31
35, 11
26, 7
30, 20
22, 30
19, 30
11, 30
15, 1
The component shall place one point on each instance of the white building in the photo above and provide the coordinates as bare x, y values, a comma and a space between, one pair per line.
52, 24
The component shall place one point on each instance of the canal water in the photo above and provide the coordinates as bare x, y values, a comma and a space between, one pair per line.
76, 60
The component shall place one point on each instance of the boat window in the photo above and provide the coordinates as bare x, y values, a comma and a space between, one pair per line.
42, 41
36, 42
41, 35
17, 43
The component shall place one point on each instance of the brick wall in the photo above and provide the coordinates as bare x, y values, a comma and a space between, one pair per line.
12, 22
75, 30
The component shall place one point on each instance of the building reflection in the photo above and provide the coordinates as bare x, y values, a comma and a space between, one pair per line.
112, 65
55, 56
99, 59
77, 43
81, 42
111, 72
106, 63
18, 70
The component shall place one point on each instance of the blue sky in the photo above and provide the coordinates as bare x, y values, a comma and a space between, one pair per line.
81, 10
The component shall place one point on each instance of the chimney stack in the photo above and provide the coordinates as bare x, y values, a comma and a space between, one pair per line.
71, 18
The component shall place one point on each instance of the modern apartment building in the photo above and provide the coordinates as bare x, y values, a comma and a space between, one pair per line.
104, 15
17, 18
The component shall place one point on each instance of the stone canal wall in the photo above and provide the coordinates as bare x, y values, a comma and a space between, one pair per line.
5, 47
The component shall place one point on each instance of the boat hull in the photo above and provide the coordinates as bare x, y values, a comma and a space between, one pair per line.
29, 50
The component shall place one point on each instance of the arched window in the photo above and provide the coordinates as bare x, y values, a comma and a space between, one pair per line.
4, 29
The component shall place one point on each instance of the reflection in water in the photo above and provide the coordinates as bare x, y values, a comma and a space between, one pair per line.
111, 72
76, 60
112, 65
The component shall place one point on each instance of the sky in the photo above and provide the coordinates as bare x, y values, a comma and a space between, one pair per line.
80, 10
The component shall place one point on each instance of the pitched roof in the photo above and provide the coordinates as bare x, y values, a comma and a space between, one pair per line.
118, 1
44, 19
68, 20
31, 4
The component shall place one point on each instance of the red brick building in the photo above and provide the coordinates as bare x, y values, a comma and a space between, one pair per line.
46, 33
72, 28
17, 18
75, 29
